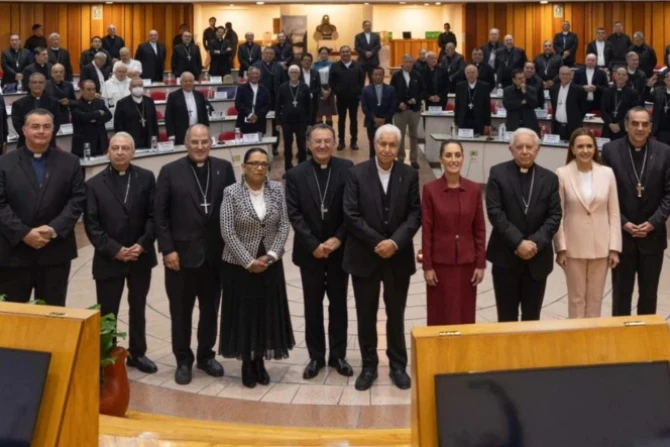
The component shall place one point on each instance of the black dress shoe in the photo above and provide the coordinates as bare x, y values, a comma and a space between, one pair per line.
143, 364
275, 152
248, 374
340, 147
183, 375
354, 146
400, 379
262, 375
366, 379
415, 164
211, 367
342, 367
312, 369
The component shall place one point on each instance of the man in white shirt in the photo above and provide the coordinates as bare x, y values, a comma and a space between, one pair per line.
367, 45
568, 102
132, 64
593, 81
602, 48
184, 108
117, 86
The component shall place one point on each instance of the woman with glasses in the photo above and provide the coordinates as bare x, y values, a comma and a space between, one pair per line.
255, 319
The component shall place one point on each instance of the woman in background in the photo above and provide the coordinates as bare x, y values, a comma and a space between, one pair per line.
326, 107
453, 241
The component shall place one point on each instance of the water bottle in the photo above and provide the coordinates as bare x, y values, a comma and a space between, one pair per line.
453, 129
154, 143
502, 130
19, 87
87, 151
238, 135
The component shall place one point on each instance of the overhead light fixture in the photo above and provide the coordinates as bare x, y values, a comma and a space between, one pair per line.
109, 3
438, 3
544, 2
260, 3
403, 3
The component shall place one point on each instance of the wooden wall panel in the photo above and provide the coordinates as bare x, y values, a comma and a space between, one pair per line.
531, 23
75, 25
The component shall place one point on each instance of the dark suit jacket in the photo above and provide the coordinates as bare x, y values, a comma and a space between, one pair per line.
436, 83
547, 67
63, 58
88, 126
87, 57
638, 81
221, 62
153, 65
570, 44
575, 105
592, 48
372, 109
620, 46
628, 99
481, 102
489, 48
113, 46
314, 89
181, 223
181, 63
285, 113
248, 56
4, 127
62, 91
658, 98
454, 67
284, 53
508, 61
32, 69
127, 119
654, 206
518, 113
404, 92
364, 219
361, 45
88, 72
347, 82
648, 59
25, 205
111, 225
244, 102
271, 77
537, 84
486, 74
599, 80
14, 62
304, 209
505, 209
22, 106
176, 114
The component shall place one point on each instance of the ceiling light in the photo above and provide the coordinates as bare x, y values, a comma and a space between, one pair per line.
109, 3
403, 3
260, 3
544, 2
438, 3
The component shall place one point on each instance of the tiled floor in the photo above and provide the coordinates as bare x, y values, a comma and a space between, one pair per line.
327, 400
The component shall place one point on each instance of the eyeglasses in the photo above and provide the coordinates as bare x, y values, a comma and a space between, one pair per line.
643, 124
258, 164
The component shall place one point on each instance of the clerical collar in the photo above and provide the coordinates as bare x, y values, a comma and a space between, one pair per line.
324, 166
36, 155
137, 99
55, 49
473, 84
631, 71
525, 170
636, 149
118, 172
198, 165
294, 85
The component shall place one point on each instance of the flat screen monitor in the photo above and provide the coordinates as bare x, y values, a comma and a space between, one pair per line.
22, 378
406, 34
586, 406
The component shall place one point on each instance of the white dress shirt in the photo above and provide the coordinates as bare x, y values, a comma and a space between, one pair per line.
192, 108
589, 81
600, 49
561, 113
347, 64
367, 37
115, 90
384, 176
134, 64
154, 46
586, 186
308, 78
101, 79
254, 88
405, 74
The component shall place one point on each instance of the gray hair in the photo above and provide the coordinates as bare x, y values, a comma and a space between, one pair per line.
125, 50
450, 45
631, 54
320, 126
52, 35
626, 119
524, 131
387, 128
293, 68
119, 64
470, 67
187, 73
100, 56
431, 53
253, 69
187, 137
639, 35
122, 135
407, 57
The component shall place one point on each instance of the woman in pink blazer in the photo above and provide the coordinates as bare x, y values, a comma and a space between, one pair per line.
588, 241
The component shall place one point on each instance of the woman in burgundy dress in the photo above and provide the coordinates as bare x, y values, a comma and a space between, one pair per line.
453, 240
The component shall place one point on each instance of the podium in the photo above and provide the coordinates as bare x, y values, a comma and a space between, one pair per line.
68, 414
524, 345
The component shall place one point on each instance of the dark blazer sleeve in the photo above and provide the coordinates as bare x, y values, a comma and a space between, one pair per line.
3, 117
660, 216
356, 225
64, 223
497, 216
366, 107
479, 230
427, 226
302, 230
510, 100
607, 161
11, 226
94, 229
162, 213
392, 102
154, 126
404, 234
169, 117
545, 234
149, 236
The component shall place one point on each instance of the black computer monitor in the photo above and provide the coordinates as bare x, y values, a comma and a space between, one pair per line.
22, 378
406, 34
586, 406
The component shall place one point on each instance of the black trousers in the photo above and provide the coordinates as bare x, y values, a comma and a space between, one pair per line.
110, 291
183, 287
371, 138
49, 283
368, 69
300, 132
560, 129
366, 292
648, 267
321, 277
517, 287
345, 105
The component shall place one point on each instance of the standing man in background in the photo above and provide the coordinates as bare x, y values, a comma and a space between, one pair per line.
367, 44
621, 44
446, 37
347, 78
566, 44
152, 55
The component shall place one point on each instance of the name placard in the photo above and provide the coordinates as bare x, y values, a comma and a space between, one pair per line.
165, 146
466, 133
221, 95
499, 92
65, 129
551, 139
216, 79
251, 138
506, 136
434, 109
146, 82
601, 142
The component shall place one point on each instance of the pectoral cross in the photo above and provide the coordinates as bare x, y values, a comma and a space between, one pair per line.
143, 121
295, 103
471, 105
640, 190
206, 206
614, 114
324, 210
666, 108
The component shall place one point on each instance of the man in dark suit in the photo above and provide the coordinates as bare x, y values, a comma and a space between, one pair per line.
184, 108
248, 54
89, 116
524, 209
220, 50
621, 44
646, 54
14, 60
382, 213
367, 44
42, 196
95, 71
186, 57
4, 128
444, 38
520, 102
568, 102
272, 74
312, 79
508, 59
534, 81
36, 98
88, 56
119, 222
617, 101
231, 36
252, 102
58, 55
637, 80
566, 44
152, 55
347, 78
314, 193
472, 109
61, 90
602, 48
37, 39
379, 104
189, 192
594, 82
40, 65
283, 51
435, 82
660, 117
454, 64
113, 43
420, 65
547, 64
490, 48
408, 86
293, 114
642, 170
210, 33
484, 71
136, 115
177, 39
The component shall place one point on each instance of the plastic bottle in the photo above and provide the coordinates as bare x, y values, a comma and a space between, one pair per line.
87, 151
502, 130
453, 129
154, 143
238, 135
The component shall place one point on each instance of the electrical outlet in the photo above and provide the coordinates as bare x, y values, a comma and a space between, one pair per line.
474, 155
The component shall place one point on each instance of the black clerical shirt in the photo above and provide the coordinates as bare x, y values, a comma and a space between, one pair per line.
322, 175
638, 161
121, 184
525, 181
201, 173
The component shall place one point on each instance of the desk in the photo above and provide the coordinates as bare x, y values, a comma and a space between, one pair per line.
481, 154
440, 123
154, 160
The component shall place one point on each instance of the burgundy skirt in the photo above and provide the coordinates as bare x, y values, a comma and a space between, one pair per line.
454, 299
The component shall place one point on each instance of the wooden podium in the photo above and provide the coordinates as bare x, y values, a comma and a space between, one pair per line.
512, 346
68, 415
